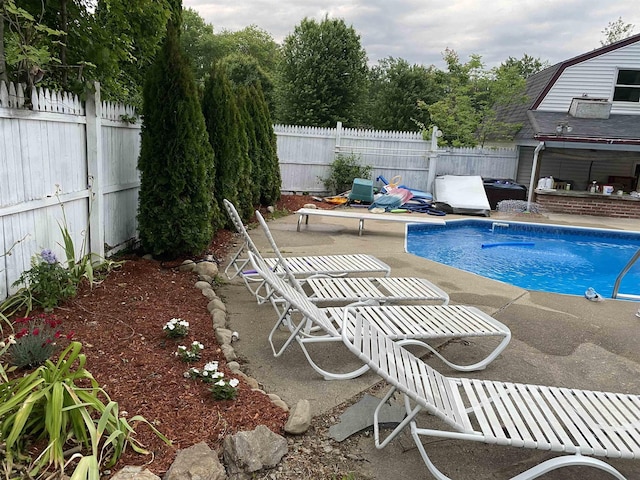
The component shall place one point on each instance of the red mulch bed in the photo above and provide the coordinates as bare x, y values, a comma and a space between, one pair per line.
119, 323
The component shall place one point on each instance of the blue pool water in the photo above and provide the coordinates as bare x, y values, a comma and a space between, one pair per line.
548, 258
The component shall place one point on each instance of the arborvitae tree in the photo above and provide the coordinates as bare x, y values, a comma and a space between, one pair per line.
176, 161
255, 155
267, 144
229, 141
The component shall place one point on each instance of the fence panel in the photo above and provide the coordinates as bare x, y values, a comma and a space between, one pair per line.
44, 178
490, 163
120, 179
306, 154
303, 153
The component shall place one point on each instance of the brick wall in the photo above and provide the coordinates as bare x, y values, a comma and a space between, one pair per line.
590, 205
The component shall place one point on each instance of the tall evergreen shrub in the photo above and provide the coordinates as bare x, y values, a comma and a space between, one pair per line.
255, 155
229, 140
176, 160
271, 180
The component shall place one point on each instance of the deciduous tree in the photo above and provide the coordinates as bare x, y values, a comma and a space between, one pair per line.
394, 90
616, 31
467, 113
323, 74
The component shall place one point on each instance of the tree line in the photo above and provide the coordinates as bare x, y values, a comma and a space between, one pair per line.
209, 101
318, 76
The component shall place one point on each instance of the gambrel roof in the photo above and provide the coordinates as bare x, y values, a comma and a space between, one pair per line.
539, 116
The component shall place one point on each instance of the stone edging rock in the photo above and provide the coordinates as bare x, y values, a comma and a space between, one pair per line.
207, 272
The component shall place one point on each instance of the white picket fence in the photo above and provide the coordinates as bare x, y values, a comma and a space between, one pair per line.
63, 164
306, 153
60, 158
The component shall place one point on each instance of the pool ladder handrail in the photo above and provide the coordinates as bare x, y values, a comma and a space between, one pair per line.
624, 271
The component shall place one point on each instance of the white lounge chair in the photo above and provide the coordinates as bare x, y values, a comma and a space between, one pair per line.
309, 324
300, 266
324, 289
578, 423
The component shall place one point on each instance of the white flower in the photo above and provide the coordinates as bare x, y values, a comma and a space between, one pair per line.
184, 323
198, 345
169, 326
217, 375
205, 373
220, 383
211, 366
182, 348
234, 382
186, 375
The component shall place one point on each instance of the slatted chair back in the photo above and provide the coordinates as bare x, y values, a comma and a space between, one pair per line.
281, 265
298, 300
400, 368
238, 262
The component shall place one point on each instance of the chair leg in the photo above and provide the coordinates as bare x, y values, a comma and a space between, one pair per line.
481, 365
325, 373
534, 472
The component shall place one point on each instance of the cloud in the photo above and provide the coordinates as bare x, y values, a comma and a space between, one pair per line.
420, 31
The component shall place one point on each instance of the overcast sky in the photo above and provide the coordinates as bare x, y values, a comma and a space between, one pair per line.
420, 30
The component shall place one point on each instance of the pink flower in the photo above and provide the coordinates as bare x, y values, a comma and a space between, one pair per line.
36, 331
22, 333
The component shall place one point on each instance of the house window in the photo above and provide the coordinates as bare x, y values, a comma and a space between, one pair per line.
627, 86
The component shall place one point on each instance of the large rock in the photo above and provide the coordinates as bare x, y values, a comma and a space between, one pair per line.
299, 418
198, 462
134, 473
209, 269
248, 452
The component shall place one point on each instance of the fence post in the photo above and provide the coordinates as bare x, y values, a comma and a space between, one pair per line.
338, 138
93, 108
433, 159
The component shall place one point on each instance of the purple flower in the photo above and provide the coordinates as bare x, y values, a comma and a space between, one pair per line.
48, 256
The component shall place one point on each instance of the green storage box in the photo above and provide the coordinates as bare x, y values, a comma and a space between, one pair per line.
361, 191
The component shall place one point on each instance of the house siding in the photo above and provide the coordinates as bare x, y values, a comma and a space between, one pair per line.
596, 78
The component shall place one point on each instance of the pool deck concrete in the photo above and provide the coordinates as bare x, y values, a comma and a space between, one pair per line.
557, 340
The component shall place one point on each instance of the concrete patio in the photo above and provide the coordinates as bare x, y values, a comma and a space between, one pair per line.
557, 340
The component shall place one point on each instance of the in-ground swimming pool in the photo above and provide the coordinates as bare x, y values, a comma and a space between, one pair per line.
549, 258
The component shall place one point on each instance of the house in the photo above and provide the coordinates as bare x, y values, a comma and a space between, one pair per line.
580, 125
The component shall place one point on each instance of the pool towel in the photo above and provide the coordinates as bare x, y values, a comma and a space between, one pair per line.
392, 199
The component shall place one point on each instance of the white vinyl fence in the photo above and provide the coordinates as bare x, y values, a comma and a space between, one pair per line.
306, 153
63, 164
68, 164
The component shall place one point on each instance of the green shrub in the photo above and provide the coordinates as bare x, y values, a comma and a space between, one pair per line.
344, 169
48, 281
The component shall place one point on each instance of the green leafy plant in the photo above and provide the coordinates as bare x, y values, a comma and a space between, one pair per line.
342, 172
176, 328
62, 403
37, 340
47, 281
221, 389
191, 354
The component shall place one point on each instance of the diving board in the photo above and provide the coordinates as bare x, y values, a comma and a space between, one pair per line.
304, 213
